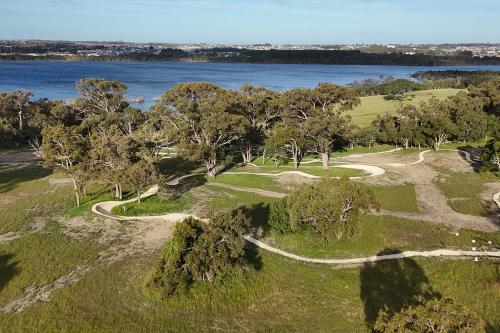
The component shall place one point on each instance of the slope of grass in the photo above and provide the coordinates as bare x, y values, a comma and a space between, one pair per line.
282, 296
154, 205
372, 106
400, 198
376, 233
463, 190
251, 181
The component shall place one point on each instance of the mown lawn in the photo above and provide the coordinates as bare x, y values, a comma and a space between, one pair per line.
372, 106
463, 190
251, 181
400, 198
155, 205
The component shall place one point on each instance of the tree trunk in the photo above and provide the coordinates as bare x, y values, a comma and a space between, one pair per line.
139, 196
20, 114
75, 190
249, 155
117, 191
264, 156
326, 159
297, 157
211, 167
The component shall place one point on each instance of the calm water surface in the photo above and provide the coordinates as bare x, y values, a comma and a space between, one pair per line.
56, 80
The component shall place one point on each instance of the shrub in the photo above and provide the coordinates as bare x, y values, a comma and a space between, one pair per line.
330, 207
200, 252
279, 217
435, 315
170, 274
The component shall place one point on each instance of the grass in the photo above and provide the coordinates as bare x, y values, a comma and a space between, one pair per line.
251, 181
24, 196
372, 106
154, 205
377, 233
400, 198
313, 169
463, 190
280, 296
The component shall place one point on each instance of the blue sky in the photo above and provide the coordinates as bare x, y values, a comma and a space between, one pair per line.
253, 21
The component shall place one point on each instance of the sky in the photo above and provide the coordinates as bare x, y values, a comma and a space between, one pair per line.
254, 21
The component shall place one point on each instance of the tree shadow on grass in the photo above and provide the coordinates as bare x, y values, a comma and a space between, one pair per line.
185, 185
9, 180
391, 285
8, 269
176, 166
475, 156
258, 214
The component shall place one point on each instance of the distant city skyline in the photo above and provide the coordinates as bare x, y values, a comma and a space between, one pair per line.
254, 21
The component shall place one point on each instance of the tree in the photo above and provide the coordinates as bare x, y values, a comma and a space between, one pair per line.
435, 315
65, 148
295, 106
201, 252
467, 113
111, 154
220, 248
15, 105
140, 175
100, 96
437, 124
279, 216
325, 123
330, 207
157, 133
489, 94
170, 273
131, 120
260, 108
208, 120
491, 155
284, 139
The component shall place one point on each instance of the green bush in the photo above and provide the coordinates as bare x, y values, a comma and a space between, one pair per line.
279, 217
435, 315
200, 252
169, 274
330, 207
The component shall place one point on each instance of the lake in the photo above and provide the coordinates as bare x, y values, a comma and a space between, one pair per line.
56, 79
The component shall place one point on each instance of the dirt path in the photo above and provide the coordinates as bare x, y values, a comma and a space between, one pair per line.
431, 200
169, 218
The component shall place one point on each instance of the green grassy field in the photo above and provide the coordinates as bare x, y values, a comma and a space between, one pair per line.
400, 198
280, 295
463, 190
372, 106
377, 233
154, 205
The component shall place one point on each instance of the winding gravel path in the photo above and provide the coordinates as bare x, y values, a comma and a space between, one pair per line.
104, 209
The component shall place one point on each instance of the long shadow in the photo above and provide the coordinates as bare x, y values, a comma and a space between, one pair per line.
9, 180
391, 285
8, 269
186, 185
475, 155
258, 214
176, 166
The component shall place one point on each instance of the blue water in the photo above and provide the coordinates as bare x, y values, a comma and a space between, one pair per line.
56, 80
